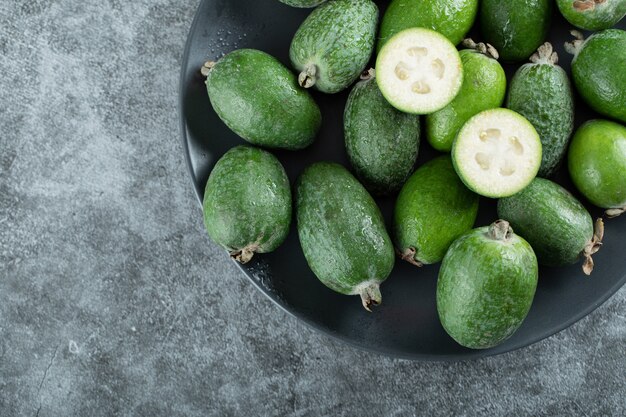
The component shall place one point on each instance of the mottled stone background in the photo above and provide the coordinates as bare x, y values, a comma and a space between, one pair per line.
114, 303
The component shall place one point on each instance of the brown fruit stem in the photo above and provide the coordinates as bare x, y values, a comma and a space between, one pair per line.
206, 68
483, 48
500, 230
244, 255
545, 55
370, 295
614, 212
574, 46
593, 246
307, 77
409, 256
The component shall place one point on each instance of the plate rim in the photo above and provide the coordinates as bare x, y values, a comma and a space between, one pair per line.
446, 358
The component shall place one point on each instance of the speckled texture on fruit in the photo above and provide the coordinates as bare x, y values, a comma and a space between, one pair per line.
592, 14
485, 288
549, 217
113, 300
341, 230
247, 201
303, 3
483, 88
598, 72
338, 38
515, 28
543, 94
433, 209
260, 100
451, 18
381, 142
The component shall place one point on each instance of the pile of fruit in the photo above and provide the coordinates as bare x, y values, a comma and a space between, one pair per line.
498, 141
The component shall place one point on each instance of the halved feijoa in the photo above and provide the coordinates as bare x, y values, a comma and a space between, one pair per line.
419, 71
497, 153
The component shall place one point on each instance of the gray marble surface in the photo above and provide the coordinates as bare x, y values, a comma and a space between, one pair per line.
113, 302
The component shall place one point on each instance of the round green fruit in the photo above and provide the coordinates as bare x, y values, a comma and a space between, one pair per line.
592, 14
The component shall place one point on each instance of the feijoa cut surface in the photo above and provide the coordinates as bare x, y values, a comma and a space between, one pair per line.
247, 202
486, 286
259, 99
381, 142
333, 45
433, 209
342, 232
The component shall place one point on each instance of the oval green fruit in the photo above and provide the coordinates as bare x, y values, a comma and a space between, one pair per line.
515, 28
381, 142
259, 99
597, 164
484, 87
247, 202
598, 70
333, 45
541, 92
303, 3
592, 14
342, 232
486, 286
451, 18
556, 225
433, 209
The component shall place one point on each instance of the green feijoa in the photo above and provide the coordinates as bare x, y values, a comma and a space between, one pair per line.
333, 45
556, 225
342, 232
433, 209
259, 99
451, 18
247, 202
515, 28
597, 164
541, 92
484, 87
381, 142
592, 14
486, 286
598, 71
303, 3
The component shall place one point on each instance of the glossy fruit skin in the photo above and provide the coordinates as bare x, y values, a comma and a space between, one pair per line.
515, 27
543, 94
341, 229
259, 99
247, 201
592, 15
338, 39
451, 18
597, 163
381, 142
549, 217
599, 75
303, 3
485, 288
432, 210
484, 87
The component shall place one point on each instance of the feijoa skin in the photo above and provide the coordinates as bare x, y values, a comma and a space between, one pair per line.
541, 92
598, 71
486, 286
333, 45
597, 164
556, 225
247, 202
381, 142
515, 28
259, 99
432, 210
342, 232
484, 87
452, 18
592, 14
303, 3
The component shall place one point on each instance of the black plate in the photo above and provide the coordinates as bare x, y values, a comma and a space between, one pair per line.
406, 324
